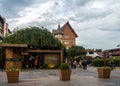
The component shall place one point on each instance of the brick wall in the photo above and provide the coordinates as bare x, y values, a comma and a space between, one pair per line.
68, 37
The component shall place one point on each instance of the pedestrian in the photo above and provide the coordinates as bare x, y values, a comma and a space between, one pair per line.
119, 64
111, 64
74, 64
69, 63
84, 64
36, 62
80, 64
27, 67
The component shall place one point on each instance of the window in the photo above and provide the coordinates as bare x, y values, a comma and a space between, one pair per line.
66, 36
0, 23
91, 52
66, 42
58, 36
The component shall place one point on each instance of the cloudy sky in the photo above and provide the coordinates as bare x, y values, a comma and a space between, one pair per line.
97, 22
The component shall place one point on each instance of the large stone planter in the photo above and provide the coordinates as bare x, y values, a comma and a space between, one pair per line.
65, 75
104, 72
12, 76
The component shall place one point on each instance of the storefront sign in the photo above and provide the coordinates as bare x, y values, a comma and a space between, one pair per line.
52, 58
13, 59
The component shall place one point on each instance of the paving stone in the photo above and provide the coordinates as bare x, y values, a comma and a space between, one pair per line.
79, 77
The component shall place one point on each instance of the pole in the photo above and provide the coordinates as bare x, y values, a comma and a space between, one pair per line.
104, 58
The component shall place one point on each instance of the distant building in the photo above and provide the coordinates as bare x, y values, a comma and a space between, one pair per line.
94, 54
112, 52
66, 35
4, 30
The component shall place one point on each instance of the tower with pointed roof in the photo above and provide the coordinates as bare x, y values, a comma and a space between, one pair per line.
66, 35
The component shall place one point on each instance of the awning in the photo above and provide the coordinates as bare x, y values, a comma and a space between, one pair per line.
14, 45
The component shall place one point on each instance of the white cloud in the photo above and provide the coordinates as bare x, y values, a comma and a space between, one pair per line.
31, 13
96, 22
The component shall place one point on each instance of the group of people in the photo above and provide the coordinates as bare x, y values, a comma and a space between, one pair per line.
80, 64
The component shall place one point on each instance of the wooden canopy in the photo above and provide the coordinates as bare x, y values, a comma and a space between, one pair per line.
14, 45
45, 51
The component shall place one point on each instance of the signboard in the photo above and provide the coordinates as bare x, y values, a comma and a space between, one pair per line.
24, 53
13, 59
52, 58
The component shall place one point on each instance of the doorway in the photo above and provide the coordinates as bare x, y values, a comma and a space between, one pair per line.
33, 61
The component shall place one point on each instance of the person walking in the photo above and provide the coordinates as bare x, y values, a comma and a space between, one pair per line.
36, 63
74, 64
111, 64
80, 64
84, 64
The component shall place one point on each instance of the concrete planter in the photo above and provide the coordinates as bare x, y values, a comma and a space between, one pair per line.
104, 72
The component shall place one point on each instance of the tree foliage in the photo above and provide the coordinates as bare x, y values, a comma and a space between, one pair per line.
98, 50
76, 51
34, 36
100, 62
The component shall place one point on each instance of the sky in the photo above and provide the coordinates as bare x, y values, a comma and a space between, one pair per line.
96, 22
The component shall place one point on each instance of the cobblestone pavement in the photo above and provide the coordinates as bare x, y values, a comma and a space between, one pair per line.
79, 77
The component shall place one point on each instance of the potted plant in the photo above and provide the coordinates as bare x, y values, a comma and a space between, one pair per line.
12, 74
64, 72
104, 72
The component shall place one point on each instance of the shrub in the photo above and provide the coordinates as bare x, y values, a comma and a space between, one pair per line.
57, 66
116, 61
64, 66
97, 62
45, 65
13, 68
100, 62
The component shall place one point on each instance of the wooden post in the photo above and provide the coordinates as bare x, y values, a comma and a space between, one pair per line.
104, 61
104, 58
8, 55
12, 58
61, 56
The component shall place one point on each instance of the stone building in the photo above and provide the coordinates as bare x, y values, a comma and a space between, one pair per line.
66, 35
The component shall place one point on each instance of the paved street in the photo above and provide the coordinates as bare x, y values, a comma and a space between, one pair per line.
79, 77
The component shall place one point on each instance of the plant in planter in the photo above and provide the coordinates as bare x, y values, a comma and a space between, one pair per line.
104, 72
12, 74
64, 72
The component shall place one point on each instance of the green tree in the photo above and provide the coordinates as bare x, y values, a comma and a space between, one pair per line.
76, 51
34, 36
2, 59
98, 50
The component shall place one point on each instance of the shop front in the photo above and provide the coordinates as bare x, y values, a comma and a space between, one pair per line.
23, 57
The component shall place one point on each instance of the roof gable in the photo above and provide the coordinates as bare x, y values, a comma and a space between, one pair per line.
68, 24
